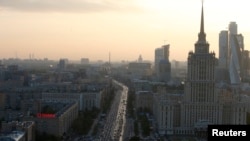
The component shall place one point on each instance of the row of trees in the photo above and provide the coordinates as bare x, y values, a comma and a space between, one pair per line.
83, 123
107, 100
46, 137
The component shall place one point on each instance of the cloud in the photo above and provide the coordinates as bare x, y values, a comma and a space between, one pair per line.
67, 5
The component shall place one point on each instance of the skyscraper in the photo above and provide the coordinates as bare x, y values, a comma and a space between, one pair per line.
200, 98
233, 28
162, 63
223, 49
233, 58
236, 46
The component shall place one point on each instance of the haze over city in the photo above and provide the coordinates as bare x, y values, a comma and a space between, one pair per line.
179, 70
75, 29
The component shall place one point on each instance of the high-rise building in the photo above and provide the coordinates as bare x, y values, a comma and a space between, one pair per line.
233, 58
233, 28
200, 101
245, 61
158, 56
236, 46
162, 63
221, 72
223, 49
62, 64
204, 101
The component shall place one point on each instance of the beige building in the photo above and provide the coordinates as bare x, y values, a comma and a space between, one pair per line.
58, 123
167, 112
172, 114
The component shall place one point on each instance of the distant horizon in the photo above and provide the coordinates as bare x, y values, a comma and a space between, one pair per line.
79, 60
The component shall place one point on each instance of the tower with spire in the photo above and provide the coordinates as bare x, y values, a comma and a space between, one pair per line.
200, 100
201, 46
201, 70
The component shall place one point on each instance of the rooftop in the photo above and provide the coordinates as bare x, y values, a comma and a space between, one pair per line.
13, 136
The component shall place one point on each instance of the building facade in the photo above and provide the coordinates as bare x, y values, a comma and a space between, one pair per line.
55, 123
144, 100
236, 51
223, 49
204, 101
200, 101
85, 100
162, 63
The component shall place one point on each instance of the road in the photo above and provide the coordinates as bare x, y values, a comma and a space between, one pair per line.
114, 125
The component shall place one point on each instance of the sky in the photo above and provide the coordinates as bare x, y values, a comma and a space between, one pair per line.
76, 29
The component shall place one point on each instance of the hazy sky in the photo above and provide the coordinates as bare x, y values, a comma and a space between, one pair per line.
91, 29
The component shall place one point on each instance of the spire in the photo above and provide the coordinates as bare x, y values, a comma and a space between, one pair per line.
201, 46
202, 35
202, 20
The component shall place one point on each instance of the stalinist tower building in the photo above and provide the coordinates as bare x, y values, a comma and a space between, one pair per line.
200, 103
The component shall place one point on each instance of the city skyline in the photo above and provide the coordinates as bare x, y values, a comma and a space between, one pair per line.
126, 29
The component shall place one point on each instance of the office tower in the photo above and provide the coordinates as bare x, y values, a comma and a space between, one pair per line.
236, 46
233, 28
223, 49
221, 72
164, 71
162, 64
245, 61
158, 56
166, 52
